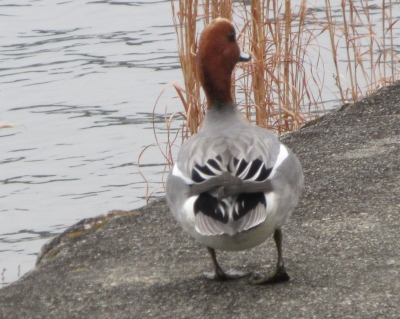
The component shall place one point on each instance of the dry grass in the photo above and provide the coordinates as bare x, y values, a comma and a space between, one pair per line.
371, 61
283, 86
289, 76
277, 86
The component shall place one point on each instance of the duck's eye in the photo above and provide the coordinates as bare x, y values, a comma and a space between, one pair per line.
232, 37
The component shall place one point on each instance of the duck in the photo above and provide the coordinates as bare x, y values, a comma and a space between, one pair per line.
234, 184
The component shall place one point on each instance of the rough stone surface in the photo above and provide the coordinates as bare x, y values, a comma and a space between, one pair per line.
341, 246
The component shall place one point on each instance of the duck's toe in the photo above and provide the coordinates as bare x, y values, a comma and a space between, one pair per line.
280, 275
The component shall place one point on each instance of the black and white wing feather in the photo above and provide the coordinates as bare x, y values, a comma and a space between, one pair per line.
228, 183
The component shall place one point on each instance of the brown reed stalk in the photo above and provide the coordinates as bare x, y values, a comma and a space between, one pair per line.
258, 62
358, 44
352, 67
301, 81
185, 26
371, 42
331, 28
286, 62
217, 8
391, 36
384, 36
391, 50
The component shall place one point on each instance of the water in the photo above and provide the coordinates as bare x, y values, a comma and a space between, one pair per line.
79, 80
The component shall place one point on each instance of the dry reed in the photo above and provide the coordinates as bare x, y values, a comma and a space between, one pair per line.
284, 84
281, 86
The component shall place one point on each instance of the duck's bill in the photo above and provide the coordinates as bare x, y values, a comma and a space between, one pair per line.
244, 57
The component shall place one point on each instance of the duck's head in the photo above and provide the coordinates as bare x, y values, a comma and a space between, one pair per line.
216, 57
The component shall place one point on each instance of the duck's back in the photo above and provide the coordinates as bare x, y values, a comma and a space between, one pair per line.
222, 179
228, 137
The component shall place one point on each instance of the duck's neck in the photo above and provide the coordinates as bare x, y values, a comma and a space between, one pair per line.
217, 86
218, 93
226, 115
220, 112
221, 106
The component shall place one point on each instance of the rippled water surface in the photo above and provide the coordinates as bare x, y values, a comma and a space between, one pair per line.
79, 80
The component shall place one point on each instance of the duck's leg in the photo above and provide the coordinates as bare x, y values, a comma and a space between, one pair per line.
280, 274
219, 274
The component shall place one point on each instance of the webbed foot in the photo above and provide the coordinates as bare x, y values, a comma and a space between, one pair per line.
221, 275
280, 275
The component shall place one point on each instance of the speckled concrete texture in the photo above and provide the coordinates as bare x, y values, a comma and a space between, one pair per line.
341, 246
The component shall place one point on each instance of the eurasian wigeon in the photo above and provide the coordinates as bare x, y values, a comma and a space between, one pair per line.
233, 184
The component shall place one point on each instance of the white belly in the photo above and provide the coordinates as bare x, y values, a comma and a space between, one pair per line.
240, 241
